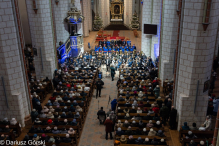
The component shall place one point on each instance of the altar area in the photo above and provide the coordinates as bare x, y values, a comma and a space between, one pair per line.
116, 11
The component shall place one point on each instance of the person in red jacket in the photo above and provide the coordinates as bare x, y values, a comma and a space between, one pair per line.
156, 109
52, 99
68, 85
108, 127
155, 80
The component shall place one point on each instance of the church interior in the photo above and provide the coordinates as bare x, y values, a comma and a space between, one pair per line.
109, 72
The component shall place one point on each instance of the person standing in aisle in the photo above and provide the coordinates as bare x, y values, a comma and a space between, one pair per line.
108, 127
99, 85
113, 71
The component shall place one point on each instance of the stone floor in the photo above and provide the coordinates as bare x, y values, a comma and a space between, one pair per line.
93, 133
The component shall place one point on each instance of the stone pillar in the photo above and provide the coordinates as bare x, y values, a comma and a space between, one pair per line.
150, 15
156, 15
128, 8
41, 29
90, 15
78, 4
86, 14
169, 38
11, 67
60, 13
195, 61
104, 11
146, 19
107, 8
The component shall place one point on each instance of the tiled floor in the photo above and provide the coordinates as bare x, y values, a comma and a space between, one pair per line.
93, 133
125, 33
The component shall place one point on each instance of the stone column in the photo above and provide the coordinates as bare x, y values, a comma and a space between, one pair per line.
86, 20
156, 15
90, 15
86, 14
60, 13
41, 29
195, 61
146, 19
150, 15
169, 38
104, 11
11, 67
78, 4
128, 8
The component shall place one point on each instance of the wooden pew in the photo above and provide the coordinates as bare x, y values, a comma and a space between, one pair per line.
62, 119
76, 128
140, 145
73, 136
147, 128
183, 132
16, 128
131, 102
10, 133
151, 98
137, 121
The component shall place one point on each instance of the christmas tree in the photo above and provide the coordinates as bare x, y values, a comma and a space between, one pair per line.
98, 23
135, 21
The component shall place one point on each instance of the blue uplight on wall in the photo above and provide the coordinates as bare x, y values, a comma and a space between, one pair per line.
72, 21
62, 52
75, 21
156, 50
74, 47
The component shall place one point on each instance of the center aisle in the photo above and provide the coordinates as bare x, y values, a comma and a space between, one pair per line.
93, 133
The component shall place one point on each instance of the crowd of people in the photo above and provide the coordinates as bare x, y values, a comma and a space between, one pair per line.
114, 46
137, 116
65, 110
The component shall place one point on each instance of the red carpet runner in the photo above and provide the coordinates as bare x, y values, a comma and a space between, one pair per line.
116, 33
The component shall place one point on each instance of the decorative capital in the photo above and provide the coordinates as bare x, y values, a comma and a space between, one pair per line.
177, 11
35, 10
57, 2
205, 26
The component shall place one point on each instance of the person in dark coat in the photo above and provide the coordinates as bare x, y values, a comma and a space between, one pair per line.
172, 118
169, 104
99, 84
185, 126
113, 104
113, 71
108, 127
55, 81
164, 113
210, 107
215, 64
101, 115
34, 115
